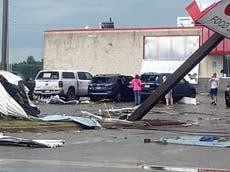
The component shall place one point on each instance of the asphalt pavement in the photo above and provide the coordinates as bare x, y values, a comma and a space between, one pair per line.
124, 149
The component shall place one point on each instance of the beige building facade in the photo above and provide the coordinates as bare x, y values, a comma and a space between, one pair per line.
113, 50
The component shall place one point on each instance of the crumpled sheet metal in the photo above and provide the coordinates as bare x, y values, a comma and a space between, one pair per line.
36, 143
196, 141
8, 106
86, 121
14, 97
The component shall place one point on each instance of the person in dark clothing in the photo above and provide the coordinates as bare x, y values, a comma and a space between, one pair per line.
227, 96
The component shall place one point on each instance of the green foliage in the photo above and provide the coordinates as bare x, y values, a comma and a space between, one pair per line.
30, 60
28, 68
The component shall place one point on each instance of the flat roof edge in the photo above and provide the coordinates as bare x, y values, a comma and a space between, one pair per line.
121, 29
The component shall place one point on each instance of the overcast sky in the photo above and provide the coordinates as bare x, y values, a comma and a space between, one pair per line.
28, 19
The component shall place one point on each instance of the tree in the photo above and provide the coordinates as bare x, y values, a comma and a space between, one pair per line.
28, 68
30, 60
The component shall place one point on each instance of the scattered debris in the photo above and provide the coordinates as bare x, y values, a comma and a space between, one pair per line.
89, 122
36, 143
158, 122
124, 110
57, 100
213, 141
189, 100
108, 120
91, 115
181, 169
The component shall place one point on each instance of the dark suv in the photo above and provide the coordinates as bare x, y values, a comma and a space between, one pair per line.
150, 81
110, 86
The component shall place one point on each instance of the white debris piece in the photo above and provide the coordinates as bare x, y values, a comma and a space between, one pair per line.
17, 141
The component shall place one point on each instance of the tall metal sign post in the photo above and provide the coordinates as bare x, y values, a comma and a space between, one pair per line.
5, 57
217, 18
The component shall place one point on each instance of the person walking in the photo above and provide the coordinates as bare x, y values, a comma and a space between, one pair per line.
136, 82
214, 85
227, 96
168, 96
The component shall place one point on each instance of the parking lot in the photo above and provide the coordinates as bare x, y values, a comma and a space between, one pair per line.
124, 149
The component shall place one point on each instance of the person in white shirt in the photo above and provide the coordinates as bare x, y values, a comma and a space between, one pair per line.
214, 84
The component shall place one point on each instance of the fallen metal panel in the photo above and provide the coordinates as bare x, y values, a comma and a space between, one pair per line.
14, 97
86, 121
38, 143
12, 78
196, 140
8, 106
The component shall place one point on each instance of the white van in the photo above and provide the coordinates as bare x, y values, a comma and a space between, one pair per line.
70, 84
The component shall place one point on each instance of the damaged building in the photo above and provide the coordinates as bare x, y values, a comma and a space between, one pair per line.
126, 51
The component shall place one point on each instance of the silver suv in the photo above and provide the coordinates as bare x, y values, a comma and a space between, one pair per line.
70, 84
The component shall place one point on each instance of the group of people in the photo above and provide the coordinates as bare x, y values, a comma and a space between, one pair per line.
136, 82
214, 85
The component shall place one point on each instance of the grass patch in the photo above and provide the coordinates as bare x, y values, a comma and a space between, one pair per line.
6, 123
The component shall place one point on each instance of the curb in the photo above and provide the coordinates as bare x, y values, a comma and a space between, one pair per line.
182, 169
213, 170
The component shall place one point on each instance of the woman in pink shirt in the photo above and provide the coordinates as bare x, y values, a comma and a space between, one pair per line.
136, 82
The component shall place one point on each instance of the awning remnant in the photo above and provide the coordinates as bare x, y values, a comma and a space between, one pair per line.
36, 143
197, 141
14, 100
89, 122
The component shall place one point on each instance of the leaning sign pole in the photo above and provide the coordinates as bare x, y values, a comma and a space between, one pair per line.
215, 17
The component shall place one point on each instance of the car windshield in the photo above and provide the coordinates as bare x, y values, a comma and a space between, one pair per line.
150, 78
101, 79
48, 75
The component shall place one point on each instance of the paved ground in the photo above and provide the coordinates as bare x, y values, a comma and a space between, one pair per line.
124, 149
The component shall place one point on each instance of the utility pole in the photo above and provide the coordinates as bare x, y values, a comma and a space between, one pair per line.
5, 55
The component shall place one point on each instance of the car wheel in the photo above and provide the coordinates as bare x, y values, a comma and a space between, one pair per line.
118, 97
70, 94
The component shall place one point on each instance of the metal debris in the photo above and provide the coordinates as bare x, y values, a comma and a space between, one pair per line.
36, 143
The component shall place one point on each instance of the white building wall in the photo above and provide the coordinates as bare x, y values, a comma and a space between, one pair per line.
209, 65
102, 51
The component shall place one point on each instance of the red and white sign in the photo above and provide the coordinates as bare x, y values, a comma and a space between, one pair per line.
213, 14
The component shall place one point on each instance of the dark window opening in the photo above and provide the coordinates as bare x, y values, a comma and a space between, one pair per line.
226, 66
68, 75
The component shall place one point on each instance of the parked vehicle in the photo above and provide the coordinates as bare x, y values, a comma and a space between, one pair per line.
150, 81
69, 84
111, 86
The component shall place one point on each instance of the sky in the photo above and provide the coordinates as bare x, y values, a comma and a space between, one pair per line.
28, 19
